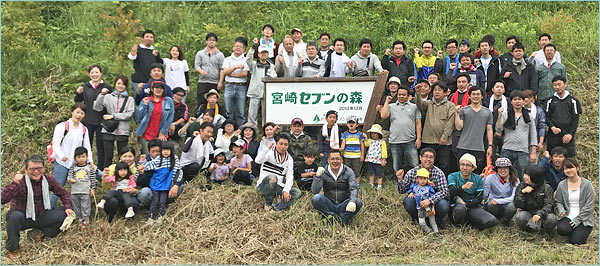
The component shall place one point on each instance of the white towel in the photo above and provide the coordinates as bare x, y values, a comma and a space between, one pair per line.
334, 139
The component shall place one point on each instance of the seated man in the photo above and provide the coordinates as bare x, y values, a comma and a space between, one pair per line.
552, 166
29, 197
340, 191
466, 193
439, 185
277, 164
196, 152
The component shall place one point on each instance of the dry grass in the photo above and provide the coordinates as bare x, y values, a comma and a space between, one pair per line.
228, 226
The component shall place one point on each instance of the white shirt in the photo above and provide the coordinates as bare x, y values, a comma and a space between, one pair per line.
540, 58
71, 141
175, 73
339, 65
233, 61
198, 153
573, 204
335, 177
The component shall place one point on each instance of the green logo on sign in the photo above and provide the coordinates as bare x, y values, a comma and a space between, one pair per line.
316, 119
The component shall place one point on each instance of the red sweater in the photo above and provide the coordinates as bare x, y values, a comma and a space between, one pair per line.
16, 194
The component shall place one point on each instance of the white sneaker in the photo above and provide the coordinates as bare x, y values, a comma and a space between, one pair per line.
159, 220
150, 221
379, 188
101, 204
129, 213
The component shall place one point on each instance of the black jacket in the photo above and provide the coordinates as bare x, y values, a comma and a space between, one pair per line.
337, 190
406, 68
526, 81
88, 97
493, 73
563, 114
540, 201
142, 63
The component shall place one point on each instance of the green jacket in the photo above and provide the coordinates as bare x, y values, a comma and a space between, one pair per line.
545, 76
298, 145
587, 200
440, 120
538, 201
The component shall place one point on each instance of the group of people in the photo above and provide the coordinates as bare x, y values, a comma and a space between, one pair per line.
442, 123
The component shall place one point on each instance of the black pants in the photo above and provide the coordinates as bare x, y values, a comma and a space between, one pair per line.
48, 222
97, 129
475, 216
158, 207
577, 235
113, 205
442, 156
556, 140
203, 88
242, 177
479, 156
109, 146
190, 171
126, 197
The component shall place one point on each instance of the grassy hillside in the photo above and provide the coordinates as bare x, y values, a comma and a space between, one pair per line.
46, 46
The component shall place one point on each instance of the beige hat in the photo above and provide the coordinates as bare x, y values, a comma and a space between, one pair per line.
470, 158
394, 79
210, 92
375, 128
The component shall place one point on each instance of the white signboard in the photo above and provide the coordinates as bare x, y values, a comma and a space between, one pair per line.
311, 100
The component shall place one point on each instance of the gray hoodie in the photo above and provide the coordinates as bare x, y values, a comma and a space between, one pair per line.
109, 103
256, 88
211, 64
359, 63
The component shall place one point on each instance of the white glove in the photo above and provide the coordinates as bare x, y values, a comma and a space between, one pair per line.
320, 171
67, 222
351, 207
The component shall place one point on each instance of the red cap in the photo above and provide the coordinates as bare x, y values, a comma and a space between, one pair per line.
297, 120
296, 29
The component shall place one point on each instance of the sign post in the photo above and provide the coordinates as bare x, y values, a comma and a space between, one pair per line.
311, 98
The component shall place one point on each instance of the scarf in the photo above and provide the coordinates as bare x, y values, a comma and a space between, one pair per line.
290, 66
471, 68
465, 99
216, 108
519, 65
504, 103
448, 64
30, 207
334, 139
511, 121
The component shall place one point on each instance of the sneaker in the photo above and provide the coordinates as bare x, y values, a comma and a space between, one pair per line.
159, 220
379, 187
36, 235
15, 254
372, 185
150, 221
83, 225
129, 213
101, 204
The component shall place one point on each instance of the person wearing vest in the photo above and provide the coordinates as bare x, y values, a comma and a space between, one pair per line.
143, 55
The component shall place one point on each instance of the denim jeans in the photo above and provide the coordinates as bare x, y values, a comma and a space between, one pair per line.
326, 207
441, 209
518, 159
404, 154
270, 190
235, 99
60, 174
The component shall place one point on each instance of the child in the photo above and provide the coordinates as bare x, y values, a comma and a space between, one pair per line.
269, 131
83, 181
376, 155
329, 137
123, 183
219, 171
241, 164
420, 191
165, 169
259, 70
354, 147
249, 133
304, 172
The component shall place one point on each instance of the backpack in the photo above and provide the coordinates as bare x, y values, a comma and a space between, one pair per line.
50, 149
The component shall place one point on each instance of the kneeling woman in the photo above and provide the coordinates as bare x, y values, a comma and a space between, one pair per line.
499, 191
575, 200
534, 198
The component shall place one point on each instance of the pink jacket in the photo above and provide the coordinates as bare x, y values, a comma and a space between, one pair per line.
111, 179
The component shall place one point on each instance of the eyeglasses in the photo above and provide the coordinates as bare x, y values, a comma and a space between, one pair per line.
37, 169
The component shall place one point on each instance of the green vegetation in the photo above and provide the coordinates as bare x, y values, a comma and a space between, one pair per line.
46, 47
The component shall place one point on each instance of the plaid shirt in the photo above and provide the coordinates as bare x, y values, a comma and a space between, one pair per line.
16, 194
440, 184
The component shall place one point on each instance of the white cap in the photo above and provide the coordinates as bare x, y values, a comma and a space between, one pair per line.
262, 48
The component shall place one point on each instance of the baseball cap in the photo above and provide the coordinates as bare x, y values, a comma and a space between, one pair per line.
263, 48
296, 29
465, 42
297, 120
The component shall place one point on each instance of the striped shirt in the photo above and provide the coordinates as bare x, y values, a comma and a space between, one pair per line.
353, 140
436, 176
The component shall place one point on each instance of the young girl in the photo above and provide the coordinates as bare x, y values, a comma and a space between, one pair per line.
241, 164
269, 131
165, 168
126, 155
219, 171
123, 184
249, 134
575, 200
176, 70
419, 191
224, 136
376, 155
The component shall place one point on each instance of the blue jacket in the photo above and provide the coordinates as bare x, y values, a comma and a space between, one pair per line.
145, 92
552, 175
142, 116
